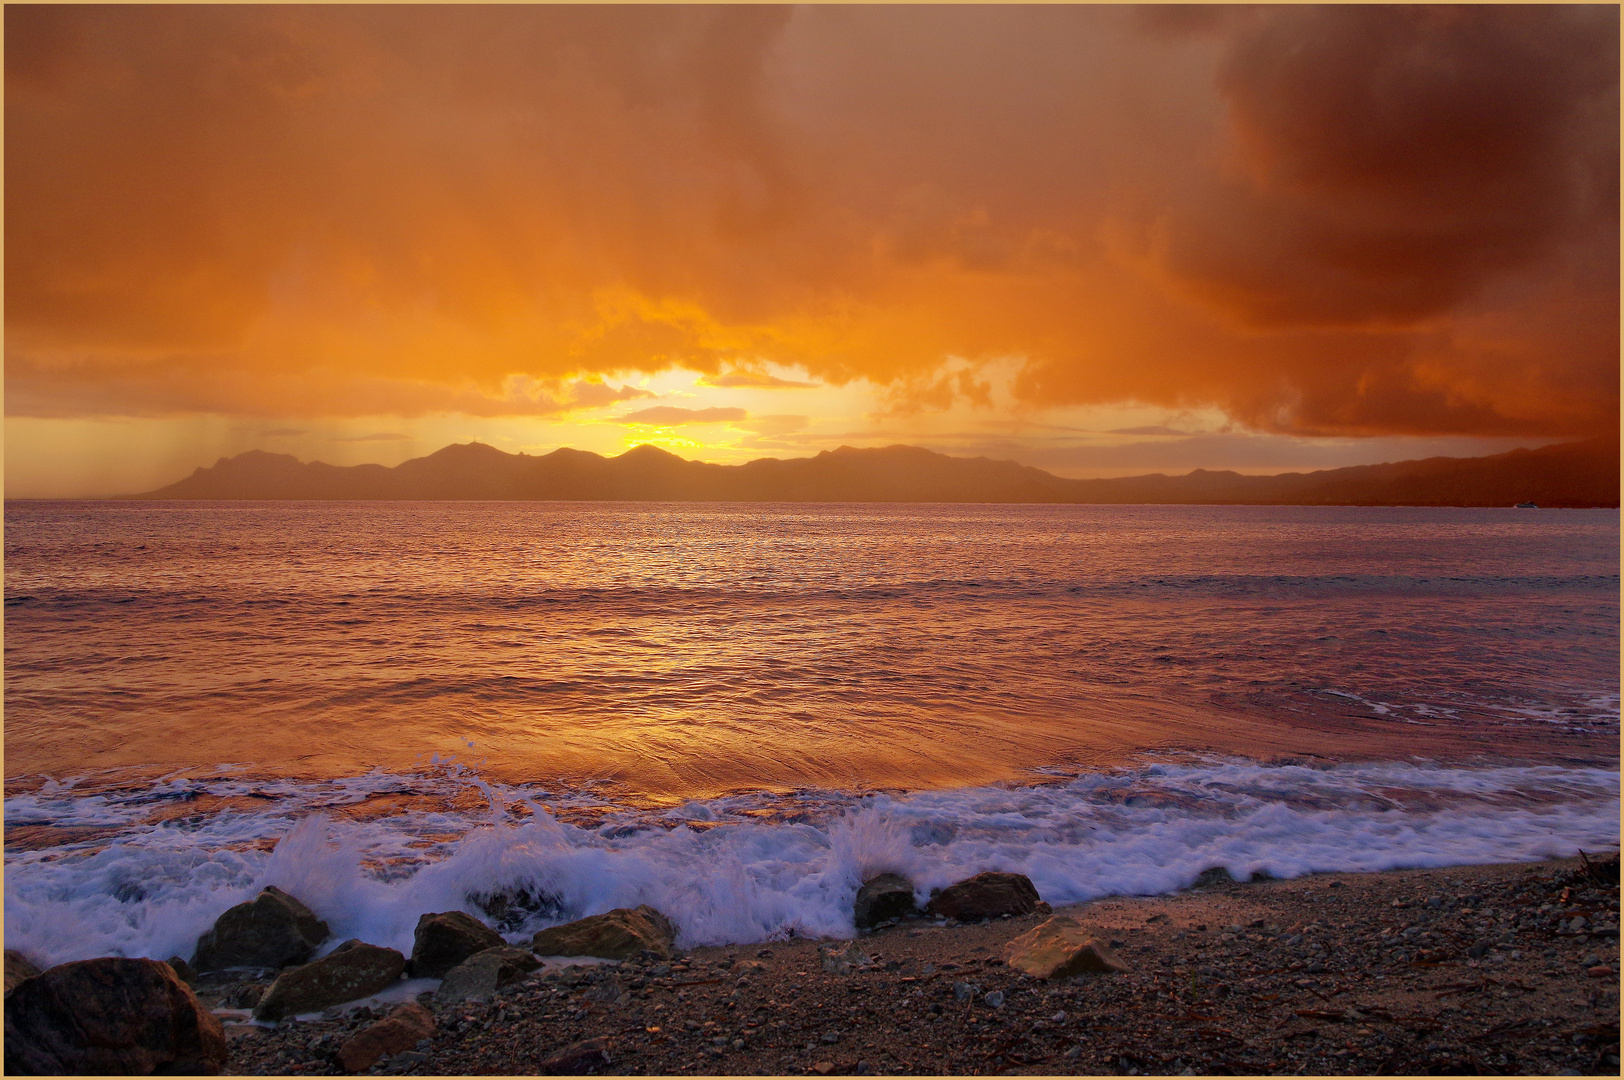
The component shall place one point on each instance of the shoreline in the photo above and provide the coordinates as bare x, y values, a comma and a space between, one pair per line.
1474, 969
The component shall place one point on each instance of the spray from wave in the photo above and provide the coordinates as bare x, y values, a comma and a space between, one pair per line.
749, 867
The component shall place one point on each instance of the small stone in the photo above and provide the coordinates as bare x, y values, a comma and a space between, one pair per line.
1600, 971
183, 970
576, 1059
844, 962
824, 1068
963, 991
245, 996
830, 1037
995, 998
402, 1030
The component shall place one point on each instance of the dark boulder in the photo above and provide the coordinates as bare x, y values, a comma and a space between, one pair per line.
510, 909
447, 938
985, 896
398, 1031
615, 935
353, 970
18, 968
270, 931
888, 896
110, 1016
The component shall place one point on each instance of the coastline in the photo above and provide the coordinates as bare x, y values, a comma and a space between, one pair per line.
1466, 969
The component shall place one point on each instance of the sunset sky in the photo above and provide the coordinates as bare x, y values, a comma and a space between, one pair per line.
1097, 240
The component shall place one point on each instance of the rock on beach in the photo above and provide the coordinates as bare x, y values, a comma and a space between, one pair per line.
482, 974
110, 1016
615, 935
577, 1059
272, 930
1060, 948
183, 970
398, 1031
353, 970
18, 968
445, 939
1345, 974
888, 896
988, 895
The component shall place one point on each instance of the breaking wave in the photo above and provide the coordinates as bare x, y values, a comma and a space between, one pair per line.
371, 853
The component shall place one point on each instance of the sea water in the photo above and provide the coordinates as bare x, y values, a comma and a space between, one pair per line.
736, 712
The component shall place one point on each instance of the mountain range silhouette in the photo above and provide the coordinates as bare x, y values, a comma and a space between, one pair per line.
1577, 474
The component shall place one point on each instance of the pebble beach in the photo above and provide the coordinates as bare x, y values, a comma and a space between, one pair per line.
1508, 969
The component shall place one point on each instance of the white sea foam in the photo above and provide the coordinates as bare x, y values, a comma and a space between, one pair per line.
726, 874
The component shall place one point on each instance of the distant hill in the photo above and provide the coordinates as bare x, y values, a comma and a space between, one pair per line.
1570, 474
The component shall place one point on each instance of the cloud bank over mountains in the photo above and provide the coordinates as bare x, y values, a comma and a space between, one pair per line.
1345, 220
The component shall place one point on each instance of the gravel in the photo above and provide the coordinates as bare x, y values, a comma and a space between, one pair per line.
1315, 976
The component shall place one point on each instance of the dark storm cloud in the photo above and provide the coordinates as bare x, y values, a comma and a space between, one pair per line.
1392, 160
1354, 219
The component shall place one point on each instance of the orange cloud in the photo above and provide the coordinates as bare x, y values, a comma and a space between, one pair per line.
186, 385
1355, 219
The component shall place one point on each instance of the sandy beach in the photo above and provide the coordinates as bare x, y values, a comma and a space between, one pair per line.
1500, 969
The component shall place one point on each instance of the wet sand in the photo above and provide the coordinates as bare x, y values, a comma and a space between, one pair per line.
1460, 970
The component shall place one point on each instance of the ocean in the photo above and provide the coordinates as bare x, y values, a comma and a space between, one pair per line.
736, 712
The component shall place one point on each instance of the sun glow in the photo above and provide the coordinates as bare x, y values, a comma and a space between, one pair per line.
787, 223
